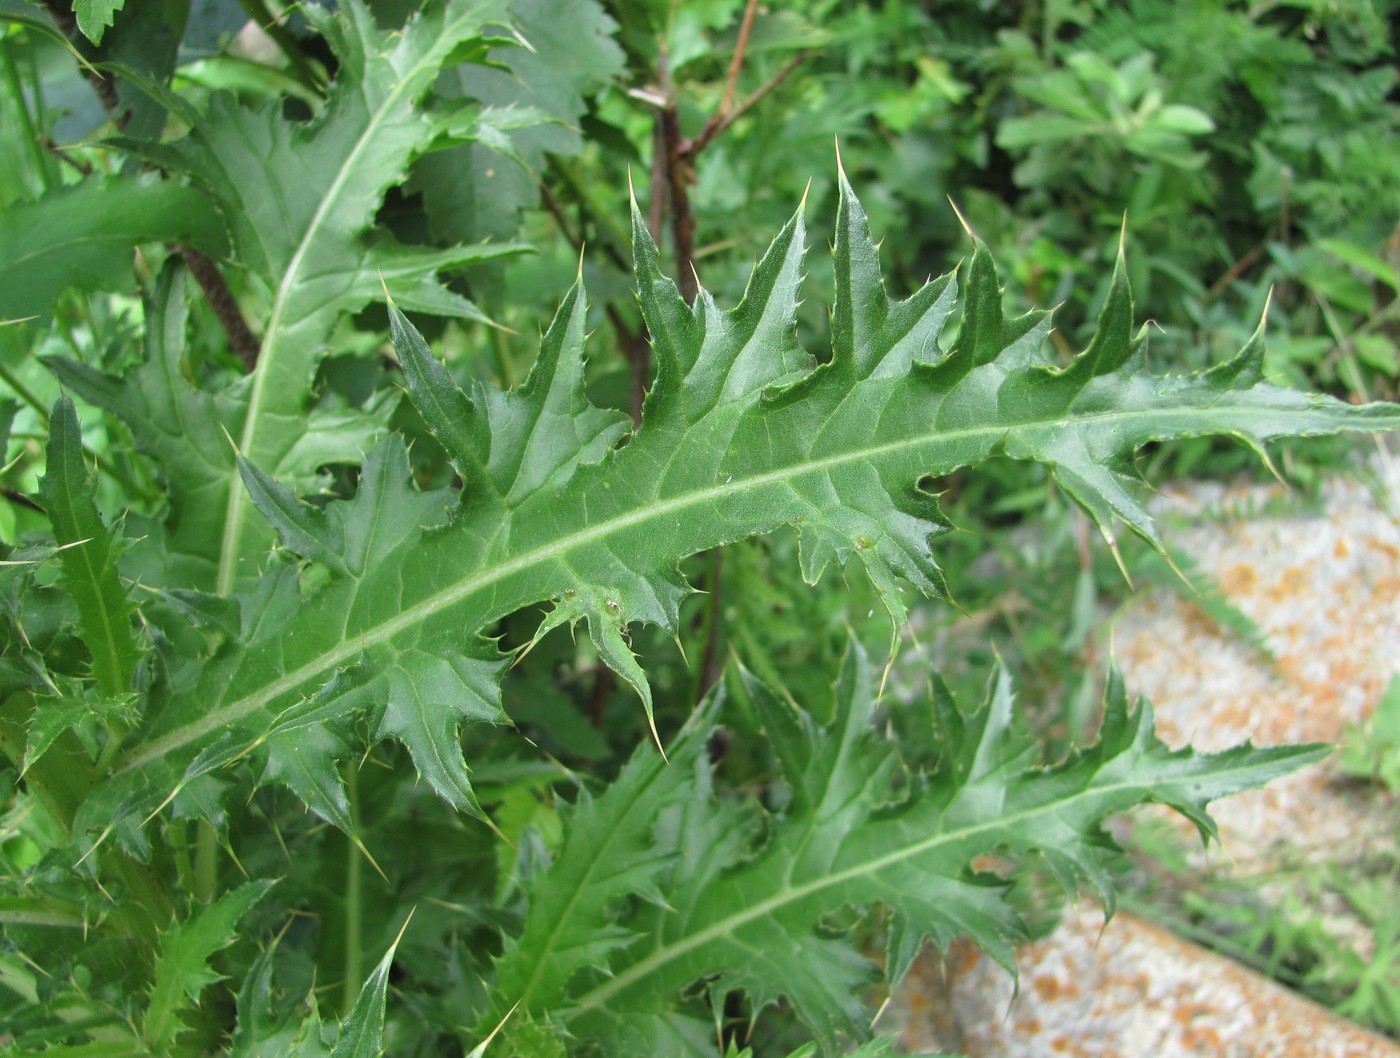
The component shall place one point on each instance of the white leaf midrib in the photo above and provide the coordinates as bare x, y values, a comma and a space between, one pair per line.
425, 609
235, 510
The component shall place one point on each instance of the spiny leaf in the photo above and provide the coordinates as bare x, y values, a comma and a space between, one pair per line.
52, 716
299, 199
362, 1033
511, 445
179, 424
182, 969
303, 528
740, 434
214, 612
423, 696
89, 563
857, 832
610, 849
96, 16
568, 52
258, 1032
67, 704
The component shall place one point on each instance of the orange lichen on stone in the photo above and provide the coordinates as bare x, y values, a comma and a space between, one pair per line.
962, 957
1200, 623
1047, 986
1187, 1013
1292, 585
1386, 587
1386, 548
1240, 579
1138, 992
1204, 1039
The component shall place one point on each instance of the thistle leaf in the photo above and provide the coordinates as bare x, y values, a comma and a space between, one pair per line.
96, 16
89, 557
300, 199
362, 1033
610, 849
182, 968
850, 836
741, 434
83, 236
178, 424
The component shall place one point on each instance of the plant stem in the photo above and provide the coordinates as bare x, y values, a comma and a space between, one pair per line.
506, 375
736, 64
719, 122
637, 349
116, 733
633, 343
712, 665
178, 840
679, 173
603, 682
206, 862
24, 393
614, 240
354, 898
102, 83
241, 339
28, 133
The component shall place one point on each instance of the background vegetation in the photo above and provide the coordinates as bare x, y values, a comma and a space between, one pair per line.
1251, 152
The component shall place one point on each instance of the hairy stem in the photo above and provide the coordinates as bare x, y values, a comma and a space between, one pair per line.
240, 337
205, 271
679, 173
720, 122
603, 683
102, 83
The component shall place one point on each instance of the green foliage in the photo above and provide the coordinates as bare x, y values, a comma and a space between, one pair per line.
181, 973
88, 558
1347, 958
96, 16
82, 236
740, 434
249, 590
1373, 752
855, 829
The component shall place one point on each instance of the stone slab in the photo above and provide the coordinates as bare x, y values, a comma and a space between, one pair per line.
1323, 588
1130, 991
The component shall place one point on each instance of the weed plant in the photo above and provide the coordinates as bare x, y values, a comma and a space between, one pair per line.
301, 488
